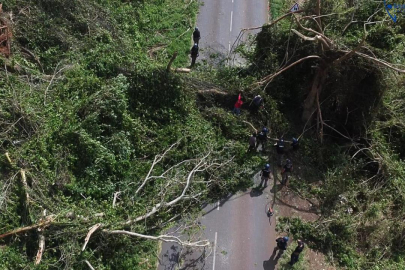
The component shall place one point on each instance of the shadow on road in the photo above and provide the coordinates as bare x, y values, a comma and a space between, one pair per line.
256, 192
271, 263
170, 258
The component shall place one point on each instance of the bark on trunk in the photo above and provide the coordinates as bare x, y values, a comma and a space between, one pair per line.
310, 102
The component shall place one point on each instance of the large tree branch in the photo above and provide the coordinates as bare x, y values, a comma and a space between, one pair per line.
376, 60
164, 238
157, 159
270, 77
329, 41
201, 166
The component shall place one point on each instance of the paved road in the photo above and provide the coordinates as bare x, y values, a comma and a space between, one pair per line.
242, 234
220, 22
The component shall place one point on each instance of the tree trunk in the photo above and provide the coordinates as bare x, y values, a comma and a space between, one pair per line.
310, 102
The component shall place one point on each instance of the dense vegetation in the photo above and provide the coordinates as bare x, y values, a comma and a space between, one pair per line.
357, 173
86, 104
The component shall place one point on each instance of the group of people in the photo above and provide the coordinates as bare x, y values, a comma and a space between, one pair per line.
255, 105
282, 243
261, 138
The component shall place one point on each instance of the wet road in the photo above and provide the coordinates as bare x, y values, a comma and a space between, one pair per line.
241, 233
220, 22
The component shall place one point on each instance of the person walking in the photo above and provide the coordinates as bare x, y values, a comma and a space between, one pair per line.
252, 142
265, 175
282, 243
296, 254
280, 151
288, 167
238, 105
194, 54
196, 35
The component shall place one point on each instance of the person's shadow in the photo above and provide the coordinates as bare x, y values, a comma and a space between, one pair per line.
271, 263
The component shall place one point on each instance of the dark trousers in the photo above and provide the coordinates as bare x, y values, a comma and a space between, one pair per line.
280, 253
264, 179
294, 258
196, 40
193, 58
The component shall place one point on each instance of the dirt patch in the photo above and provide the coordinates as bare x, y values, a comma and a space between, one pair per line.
289, 203
316, 261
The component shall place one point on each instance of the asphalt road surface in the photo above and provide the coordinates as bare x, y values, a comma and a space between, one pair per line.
241, 233
220, 22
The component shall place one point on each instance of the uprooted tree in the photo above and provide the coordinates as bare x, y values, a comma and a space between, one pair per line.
175, 187
321, 36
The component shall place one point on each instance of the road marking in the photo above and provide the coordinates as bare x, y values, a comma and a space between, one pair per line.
218, 205
230, 29
215, 251
229, 46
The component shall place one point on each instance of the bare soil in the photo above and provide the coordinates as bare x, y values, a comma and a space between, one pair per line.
289, 203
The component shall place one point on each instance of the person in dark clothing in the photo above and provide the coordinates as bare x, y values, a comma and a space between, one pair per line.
194, 54
196, 35
295, 255
288, 167
265, 175
262, 138
252, 142
257, 103
280, 151
295, 144
281, 245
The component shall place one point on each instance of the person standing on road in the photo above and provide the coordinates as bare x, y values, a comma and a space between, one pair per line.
194, 54
295, 255
252, 142
281, 245
265, 175
288, 167
196, 35
280, 151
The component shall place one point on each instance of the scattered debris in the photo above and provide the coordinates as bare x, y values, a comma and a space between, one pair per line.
5, 33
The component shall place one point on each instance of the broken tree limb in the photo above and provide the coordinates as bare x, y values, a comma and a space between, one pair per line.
272, 76
41, 239
201, 166
24, 181
171, 61
91, 231
164, 238
246, 122
156, 160
43, 223
89, 265
378, 61
182, 70
41, 246
212, 91
8, 158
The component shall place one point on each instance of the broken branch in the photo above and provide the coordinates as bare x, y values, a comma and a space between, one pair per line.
91, 231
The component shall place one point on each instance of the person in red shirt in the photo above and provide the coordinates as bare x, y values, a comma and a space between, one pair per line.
238, 105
